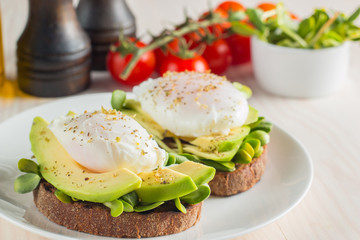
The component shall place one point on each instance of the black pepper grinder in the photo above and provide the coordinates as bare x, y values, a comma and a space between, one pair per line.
103, 20
53, 52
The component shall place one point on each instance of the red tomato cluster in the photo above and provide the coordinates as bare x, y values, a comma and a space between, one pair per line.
217, 55
270, 6
116, 64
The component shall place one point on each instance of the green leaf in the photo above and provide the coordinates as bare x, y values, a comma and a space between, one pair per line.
245, 90
354, 35
179, 206
306, 26
294, 36
264, 126
255, 18
28, 166
118, 98
63, 197
331, 39
328, 42
131, 198
333, 35
320, 30
354, 16
243, 29
180, 158
171, 159
255, 144
202, 193
321, 18
26, 183
127, 206
222, 166
263, 136
188, 156
288, 43
254, 124
147, 207
116, 207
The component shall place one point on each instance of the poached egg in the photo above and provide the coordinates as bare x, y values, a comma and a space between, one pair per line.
104, 140
192, 104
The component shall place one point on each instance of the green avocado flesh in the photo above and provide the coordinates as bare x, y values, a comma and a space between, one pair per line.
222, 143
253, 116
61, 170
220, 148
163, 185
216, 150
199, 173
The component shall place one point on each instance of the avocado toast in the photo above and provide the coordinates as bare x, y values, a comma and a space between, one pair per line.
121, 200
204, 118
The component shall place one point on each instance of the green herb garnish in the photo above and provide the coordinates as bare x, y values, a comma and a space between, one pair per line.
322, 29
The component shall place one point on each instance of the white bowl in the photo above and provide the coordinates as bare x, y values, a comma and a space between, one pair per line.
302, 73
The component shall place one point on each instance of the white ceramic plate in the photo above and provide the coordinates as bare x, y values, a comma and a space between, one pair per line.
286, 181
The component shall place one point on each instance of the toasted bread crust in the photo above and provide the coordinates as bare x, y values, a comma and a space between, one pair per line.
95, 218
242, 179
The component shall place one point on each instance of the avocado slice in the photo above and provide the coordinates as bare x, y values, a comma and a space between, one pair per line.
222, 143
218, 148
65, 174
252, 116
215, 156
164, 184
199, 173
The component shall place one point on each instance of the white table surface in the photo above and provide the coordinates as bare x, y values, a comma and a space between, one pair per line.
328, 127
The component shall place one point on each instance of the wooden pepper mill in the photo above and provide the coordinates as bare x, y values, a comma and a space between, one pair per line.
103, 20
53, 52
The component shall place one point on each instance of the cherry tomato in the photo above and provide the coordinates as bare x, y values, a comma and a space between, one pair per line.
217, 29
218, 56
194, 38
294, 17
224, 9
266, 6
231, 5
161, 55
240, 49
175, 64
144, 67
270, 6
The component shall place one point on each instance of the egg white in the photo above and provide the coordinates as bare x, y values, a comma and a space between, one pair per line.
192, 104
106, 140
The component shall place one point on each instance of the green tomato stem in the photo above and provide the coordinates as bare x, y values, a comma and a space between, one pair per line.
162, 40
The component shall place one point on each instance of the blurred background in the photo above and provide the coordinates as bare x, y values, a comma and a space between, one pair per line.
151, 15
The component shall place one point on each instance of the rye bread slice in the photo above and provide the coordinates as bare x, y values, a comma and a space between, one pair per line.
95, 218
244, 177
